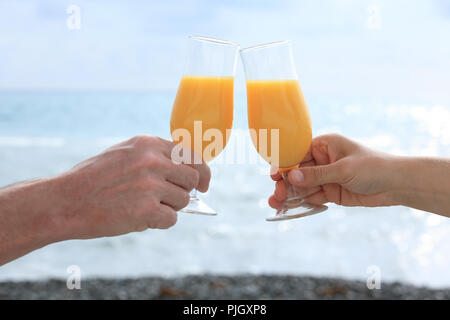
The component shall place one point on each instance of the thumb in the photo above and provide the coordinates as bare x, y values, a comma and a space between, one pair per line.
315, 176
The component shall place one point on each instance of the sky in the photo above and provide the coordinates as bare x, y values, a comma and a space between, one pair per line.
393, 49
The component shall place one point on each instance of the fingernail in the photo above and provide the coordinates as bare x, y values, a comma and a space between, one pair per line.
273, 170
297, 176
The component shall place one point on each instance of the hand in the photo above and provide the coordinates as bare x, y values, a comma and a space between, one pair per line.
341, 171
129, 187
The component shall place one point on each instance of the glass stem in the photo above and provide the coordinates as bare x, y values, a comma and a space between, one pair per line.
293, 200
291, 192
193, 195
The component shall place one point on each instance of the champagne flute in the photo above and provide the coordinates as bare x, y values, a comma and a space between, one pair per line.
203, 106
278, 117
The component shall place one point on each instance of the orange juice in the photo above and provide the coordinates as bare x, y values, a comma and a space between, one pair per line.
205, 99
279, 104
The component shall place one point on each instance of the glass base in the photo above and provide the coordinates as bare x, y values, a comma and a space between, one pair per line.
196, 206
296, 208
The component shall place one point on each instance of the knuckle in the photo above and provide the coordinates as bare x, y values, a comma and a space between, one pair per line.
204, 177
140, 227
168, 144
208, 171
332, 136
158, 216
193, 179
346, 170
182, 200
143, 139
158, 188
142, 184
162, 143
146, 213
151, 205
185, 199
329, 138
172, 218
153, 160
153, 218
318, 173
167, 220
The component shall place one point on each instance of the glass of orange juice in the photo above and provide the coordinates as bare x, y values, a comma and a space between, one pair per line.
278, 117
202, 114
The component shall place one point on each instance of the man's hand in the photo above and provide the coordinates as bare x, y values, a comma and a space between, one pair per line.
129, 187
341, 171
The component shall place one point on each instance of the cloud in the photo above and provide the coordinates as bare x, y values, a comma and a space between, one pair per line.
140, 45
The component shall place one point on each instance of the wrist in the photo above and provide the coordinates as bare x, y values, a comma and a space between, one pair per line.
28, 213
43, 206
423, 184
388, 172
403, 180
63, 216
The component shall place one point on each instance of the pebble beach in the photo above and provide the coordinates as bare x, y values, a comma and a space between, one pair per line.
216, 287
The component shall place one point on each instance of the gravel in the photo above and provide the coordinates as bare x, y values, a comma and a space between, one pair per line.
216, 287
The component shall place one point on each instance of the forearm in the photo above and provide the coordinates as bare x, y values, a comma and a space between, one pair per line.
28, 218
423, 183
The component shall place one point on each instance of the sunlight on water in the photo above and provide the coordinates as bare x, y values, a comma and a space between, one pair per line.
408, 245
432, 121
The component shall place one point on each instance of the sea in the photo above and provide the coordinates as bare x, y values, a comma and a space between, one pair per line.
45, 133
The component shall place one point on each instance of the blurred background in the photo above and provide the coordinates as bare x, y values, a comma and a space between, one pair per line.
77, 76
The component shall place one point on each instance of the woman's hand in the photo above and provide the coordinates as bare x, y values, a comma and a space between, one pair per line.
341, 171
344, 172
